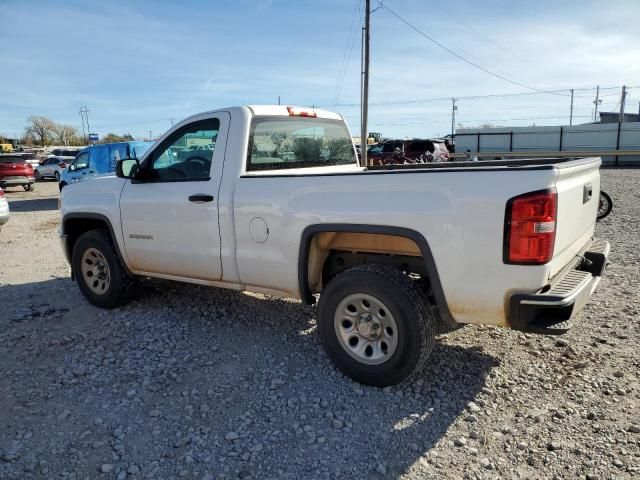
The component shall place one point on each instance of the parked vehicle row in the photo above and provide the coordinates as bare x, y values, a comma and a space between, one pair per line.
393, 152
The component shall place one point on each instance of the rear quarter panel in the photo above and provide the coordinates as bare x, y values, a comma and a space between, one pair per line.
460, 213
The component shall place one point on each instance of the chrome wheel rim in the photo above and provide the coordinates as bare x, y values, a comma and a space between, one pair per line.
95, 271
366, 329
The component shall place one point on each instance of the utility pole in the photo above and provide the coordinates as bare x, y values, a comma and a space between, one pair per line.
454, 109
622, 101
571, 112
278, 99
597, 102
365, 85
81, 112
86, 114
171, 118
149, 135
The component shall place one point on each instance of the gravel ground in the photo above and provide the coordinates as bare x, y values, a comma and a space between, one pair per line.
231, 385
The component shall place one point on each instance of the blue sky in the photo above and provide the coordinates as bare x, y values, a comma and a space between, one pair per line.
138, 63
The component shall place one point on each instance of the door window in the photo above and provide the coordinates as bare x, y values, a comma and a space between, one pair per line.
81, 161
186, 154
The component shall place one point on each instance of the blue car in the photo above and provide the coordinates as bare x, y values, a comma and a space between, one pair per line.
100, 159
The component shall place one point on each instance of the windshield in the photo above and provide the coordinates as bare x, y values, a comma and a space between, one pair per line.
297, 142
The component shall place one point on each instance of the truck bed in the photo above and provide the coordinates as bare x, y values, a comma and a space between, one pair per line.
537, 163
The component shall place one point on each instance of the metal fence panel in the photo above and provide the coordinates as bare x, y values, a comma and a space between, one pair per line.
589, 137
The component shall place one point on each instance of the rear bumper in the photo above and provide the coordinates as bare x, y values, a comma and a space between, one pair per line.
17, 181
549, 310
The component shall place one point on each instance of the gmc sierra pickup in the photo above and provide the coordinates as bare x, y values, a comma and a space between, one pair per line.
271, 199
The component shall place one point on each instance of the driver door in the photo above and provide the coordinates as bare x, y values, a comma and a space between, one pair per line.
169, 211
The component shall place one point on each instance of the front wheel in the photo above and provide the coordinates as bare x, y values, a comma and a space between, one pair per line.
376, 325
100, 275
37, 175
57, 175
605, 205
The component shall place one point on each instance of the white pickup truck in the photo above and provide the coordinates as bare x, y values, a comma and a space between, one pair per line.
272, 199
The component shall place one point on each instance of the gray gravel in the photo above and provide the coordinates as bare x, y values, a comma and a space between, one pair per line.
188, 382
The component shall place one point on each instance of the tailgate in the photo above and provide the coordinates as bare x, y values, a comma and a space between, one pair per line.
578, 187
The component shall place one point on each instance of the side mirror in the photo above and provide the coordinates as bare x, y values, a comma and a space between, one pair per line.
72, 167
127, 168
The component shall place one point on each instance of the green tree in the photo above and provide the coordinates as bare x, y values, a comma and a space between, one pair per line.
114, 138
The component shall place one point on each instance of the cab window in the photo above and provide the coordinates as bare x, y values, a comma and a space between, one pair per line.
81, 161
186, 154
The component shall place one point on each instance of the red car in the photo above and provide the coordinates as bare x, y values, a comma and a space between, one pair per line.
15, 171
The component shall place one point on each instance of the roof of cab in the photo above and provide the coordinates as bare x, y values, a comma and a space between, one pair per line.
285, 111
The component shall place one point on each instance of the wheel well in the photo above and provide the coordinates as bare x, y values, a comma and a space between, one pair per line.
327, 249
333, 252
74, 227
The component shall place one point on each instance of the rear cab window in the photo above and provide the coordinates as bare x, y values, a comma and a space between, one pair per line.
280, 142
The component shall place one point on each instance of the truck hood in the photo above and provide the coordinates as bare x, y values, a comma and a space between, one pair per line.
97, 195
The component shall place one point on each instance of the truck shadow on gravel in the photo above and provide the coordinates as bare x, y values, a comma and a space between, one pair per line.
214, 381
33, 205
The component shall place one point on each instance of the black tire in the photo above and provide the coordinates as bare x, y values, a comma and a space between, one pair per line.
61, 185
415, 320
29, 187
605, 205
57, 175
37, 175
121, 285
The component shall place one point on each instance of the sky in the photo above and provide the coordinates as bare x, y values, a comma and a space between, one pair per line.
138, 65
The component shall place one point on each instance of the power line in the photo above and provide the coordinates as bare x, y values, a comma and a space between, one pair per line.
477, 97
528, 119
346, 57
464, 59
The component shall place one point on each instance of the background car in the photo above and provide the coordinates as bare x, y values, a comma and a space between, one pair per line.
100, 159
52, 167
4, 208
31, 158
64, 152
408, 151
15, 171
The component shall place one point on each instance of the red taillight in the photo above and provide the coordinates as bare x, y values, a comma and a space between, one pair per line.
530, 228
1, 193
299, 112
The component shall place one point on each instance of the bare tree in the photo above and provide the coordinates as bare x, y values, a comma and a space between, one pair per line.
64, 133
40, 128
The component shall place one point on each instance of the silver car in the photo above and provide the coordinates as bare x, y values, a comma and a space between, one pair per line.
52, 167
4, 208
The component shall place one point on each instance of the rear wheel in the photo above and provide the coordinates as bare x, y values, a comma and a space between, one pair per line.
57, 175
376, 325
29, 187
605, 205
100, 275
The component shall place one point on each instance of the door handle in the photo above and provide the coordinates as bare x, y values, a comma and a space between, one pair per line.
201, 198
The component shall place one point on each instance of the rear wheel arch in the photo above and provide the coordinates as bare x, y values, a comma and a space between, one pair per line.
415, 237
